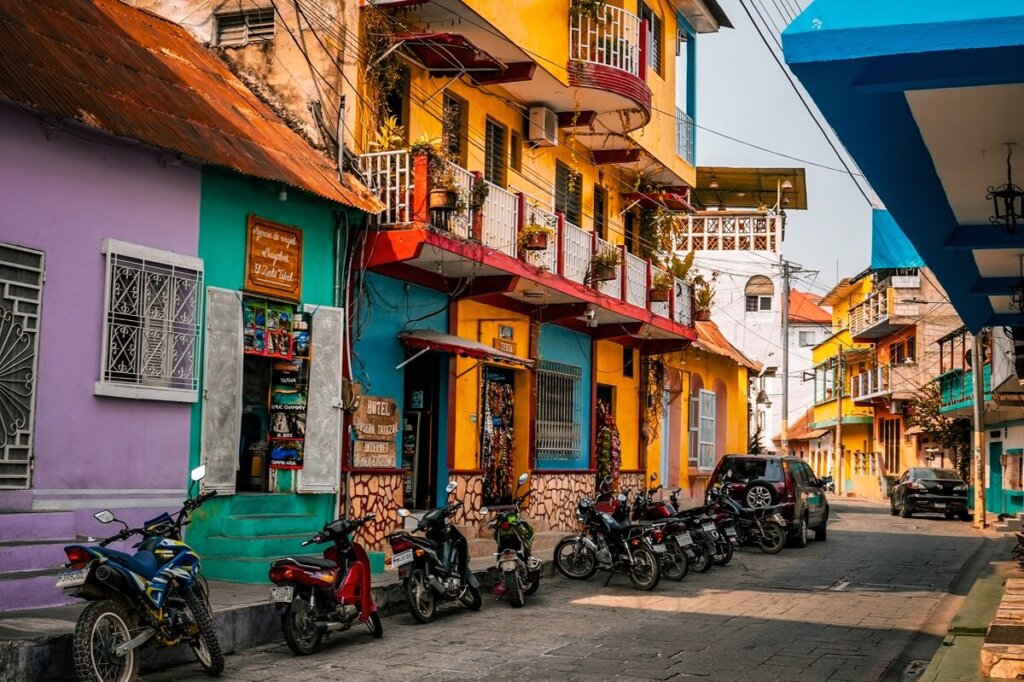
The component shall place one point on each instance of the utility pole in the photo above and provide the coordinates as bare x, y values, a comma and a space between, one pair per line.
839, 450
785, 357
978, 459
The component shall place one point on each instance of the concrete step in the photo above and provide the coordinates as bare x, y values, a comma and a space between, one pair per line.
260, 545
31, 555
282, 524
31, 589
36, 525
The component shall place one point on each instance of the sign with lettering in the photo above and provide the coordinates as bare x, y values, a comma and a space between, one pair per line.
374, 454
505, 346
376, 419
273, 259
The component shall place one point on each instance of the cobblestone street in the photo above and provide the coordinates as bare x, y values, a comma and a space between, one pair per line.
845, 609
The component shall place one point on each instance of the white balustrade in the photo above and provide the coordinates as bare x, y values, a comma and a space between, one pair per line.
461, 222
501, 219
659, 308
685, 129
548, 258
636, 280
731, 231
578, 245
610, 287
611, 40
389, 176
683, 312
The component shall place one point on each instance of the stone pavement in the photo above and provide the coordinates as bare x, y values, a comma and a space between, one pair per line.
857, 607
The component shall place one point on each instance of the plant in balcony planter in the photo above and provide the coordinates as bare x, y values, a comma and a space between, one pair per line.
593, 9
603, 265
703, 296
534, 237
389, 136
661, 286
478, 195
444, 192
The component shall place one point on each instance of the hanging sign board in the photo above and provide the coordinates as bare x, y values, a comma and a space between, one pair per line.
374, 454
273, 259
376, 419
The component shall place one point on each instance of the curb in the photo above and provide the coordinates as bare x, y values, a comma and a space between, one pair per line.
49, 658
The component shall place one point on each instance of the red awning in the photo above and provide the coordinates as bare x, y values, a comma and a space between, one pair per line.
448, 54
428, 339
670, 200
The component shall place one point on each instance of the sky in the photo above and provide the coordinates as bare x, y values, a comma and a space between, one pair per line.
741, 92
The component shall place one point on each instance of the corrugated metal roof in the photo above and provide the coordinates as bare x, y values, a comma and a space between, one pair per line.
135, 75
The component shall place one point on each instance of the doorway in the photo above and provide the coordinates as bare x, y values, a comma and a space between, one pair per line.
497, 434
995, 497
420, 429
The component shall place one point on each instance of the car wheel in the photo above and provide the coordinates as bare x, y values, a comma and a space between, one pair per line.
820, 533
905, 511
949, 515
965, 515
892, 506
759, 494
800, 537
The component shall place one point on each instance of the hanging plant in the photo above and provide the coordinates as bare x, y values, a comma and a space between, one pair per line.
592, 9
445, 194
654, 384
478, 195
661, 286
534, 237
382, 67
603, 265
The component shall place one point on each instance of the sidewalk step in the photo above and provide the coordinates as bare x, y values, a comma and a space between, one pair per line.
261, 545
278, 524
36, 525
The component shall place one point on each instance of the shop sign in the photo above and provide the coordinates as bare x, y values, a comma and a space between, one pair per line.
374, 454
376, 419
505, 346
273, 259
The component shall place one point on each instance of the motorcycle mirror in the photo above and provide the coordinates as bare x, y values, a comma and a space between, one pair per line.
404, 513
607, 480
105, 516
523, 478
451, 487
654, 476
484, 511
199, 473
622, 497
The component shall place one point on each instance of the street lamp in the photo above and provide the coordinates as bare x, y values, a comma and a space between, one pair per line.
1007, 197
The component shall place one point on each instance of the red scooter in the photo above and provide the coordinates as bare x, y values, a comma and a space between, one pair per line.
315, 597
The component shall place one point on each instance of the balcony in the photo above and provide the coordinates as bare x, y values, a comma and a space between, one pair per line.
957, 388
685, 134
480, 254
732, 231
613, 41
870, 385
883, 312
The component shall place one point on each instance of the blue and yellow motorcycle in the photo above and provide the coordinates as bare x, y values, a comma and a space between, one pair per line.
153, 597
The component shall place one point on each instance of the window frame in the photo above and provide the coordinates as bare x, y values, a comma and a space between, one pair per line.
113, 249
495, 158
515, 151
800, 336
569, 378
655, 44
693, 422
245, 15
563, 202
707, 433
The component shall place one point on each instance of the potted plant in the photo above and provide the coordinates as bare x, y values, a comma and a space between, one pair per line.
534, 237
478, 195
603, 264
661, 286
703, 297
444, 193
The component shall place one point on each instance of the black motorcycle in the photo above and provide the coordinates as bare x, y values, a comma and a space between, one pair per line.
680, 548
434, 567
717, 536
764, 527
518, 568
153, 597
609, 542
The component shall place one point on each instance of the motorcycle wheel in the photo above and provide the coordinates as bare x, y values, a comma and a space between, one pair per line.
676, 566
578, 563
773, 538
374, 625
514, 589
534, 584
418, 595
702, 559
725, 555
205, 644
102, 626
644, 573
300, 632
471, 598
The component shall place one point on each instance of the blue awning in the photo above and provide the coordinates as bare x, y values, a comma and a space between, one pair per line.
890, 248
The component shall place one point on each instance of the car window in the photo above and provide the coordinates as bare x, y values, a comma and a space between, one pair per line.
801, 473
936, 475
746, 469
905, 476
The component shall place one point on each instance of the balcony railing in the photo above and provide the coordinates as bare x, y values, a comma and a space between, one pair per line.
613, 40
397, 179
957, 388
728, 231
685, 130
873, 310
870, 384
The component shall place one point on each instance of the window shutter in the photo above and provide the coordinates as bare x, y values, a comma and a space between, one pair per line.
656, 42
570, 204
222, 390
494, 152
321, 461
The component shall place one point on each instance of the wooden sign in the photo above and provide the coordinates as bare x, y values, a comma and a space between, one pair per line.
505, 346
374, 454
273, 259
376, 419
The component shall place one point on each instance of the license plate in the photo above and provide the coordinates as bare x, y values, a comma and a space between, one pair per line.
684, 539
708, 527
731, 532
658, 547
940, 505
282, 595
402, 558
72, 578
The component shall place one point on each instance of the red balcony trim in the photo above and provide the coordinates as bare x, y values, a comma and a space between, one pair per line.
420, 190
601, 77
603, 157
515, 72
583, 118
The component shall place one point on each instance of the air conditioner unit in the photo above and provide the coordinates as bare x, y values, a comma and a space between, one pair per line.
543, 127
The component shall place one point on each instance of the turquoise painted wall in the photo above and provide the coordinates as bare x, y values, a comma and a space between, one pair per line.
958, 388
559, 344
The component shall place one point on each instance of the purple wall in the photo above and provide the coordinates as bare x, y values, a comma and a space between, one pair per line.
64, 196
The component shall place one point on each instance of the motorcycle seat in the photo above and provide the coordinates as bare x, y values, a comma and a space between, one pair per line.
144, 563
308, 562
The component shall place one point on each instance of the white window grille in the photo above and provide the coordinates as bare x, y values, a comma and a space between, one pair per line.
241, 28
694, 422
21, 288
707, 431
558, 411
151, 324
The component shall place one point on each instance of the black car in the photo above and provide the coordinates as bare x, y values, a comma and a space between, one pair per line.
931, 490
764, 480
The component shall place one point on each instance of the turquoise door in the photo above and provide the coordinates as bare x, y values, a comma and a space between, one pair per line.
995, 497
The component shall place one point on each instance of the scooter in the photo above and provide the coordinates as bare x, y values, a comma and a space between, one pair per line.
518, 568
435, 567
315, 597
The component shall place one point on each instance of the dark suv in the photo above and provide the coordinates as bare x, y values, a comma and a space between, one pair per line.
764, 480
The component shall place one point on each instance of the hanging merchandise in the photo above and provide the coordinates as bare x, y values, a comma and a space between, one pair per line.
497, 435
289, 386
609, 447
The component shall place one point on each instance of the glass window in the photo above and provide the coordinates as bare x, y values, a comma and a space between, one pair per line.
745, 469
751, 304
706, 452
694, 423
936, 475
806, 338
765, 303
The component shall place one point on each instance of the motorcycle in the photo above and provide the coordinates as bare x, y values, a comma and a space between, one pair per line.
679, 552
763, 526
434, 567
315, 597
153, 597
718, 536
608, 542
518, 568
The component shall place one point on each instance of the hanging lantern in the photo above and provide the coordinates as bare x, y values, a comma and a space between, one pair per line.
1007, 199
